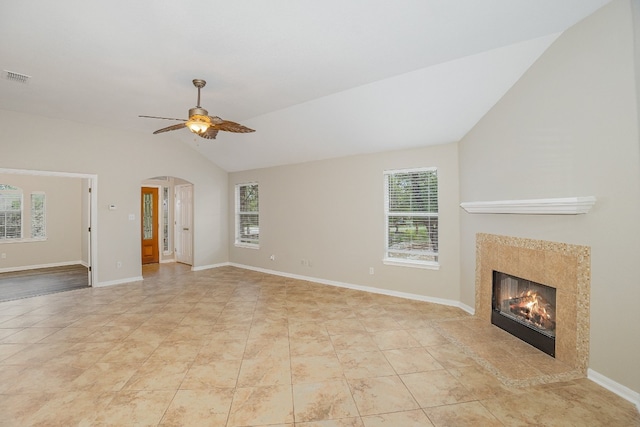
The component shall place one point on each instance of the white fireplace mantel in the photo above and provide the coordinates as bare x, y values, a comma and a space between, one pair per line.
558, 206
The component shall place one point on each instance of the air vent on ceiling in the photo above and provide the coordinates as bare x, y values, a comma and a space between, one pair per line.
15, 77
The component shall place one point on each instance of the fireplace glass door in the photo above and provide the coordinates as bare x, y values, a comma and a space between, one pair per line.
525, 309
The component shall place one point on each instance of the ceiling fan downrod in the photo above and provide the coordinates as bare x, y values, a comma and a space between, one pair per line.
199, 83
198, 110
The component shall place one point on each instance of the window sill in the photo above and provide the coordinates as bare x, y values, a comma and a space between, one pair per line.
247, 246
29, 240
411, 264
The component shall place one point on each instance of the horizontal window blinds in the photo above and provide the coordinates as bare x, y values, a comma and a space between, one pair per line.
411, 202
38, 220
10, 215
247, 214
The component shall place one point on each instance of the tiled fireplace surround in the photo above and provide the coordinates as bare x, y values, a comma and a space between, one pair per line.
562, 266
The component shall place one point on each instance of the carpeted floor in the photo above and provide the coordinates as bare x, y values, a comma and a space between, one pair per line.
28, 283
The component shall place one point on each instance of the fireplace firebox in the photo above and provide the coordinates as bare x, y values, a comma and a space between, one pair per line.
526, 310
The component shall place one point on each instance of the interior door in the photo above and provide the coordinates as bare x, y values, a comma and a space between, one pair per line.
184, 224
149, 224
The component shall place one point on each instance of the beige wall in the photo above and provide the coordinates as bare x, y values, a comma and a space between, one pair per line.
331, 213
64, 222
121, 160
569, 127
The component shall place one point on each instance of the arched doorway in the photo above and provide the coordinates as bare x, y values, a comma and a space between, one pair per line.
167, 220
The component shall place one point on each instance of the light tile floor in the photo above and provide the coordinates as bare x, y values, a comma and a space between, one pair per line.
231, 347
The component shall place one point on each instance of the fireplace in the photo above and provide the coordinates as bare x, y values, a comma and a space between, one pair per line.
562, 266
525, 309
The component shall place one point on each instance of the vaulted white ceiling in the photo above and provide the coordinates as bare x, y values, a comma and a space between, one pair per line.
315, 78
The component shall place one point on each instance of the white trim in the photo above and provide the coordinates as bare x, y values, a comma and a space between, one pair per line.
399, 262
247, 245
387, 292
410, 170
468, 309
119, 282
35, 267
614, 387
207, 267
559, 206
23, 240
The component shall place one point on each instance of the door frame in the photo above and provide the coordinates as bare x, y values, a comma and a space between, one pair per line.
92, 232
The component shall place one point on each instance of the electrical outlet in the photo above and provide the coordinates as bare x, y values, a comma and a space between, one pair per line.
3, 256
272, 257
370, 270
119, 264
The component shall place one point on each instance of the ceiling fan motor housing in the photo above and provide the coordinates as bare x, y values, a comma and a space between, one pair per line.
198, 111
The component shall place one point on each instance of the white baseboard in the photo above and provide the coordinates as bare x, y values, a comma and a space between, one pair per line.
35, 267
370, 289
118, 282
207, 267
468, 309
617, 388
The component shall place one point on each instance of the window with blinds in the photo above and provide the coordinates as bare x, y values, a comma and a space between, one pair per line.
10, 212
38, 218
247, 215
411, 213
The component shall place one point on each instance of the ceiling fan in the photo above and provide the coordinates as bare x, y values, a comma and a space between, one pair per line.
200, 122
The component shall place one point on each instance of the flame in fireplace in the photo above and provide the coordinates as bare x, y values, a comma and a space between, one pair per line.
535, 309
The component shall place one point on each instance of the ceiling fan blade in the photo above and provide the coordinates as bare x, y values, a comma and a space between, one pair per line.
210, 133
163, 118
173, 127
229, 126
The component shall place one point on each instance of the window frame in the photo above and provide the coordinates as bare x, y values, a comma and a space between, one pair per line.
239, 240
32, 215
27, 216
415, 263
17, 193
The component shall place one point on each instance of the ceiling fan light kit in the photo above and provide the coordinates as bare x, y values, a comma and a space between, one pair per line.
200, 122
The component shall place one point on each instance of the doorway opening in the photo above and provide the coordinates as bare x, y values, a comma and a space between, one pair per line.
87, 248
166, 207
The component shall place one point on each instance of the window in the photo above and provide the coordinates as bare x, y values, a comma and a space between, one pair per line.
411, 213
10, 212
38, 229
247, 215
21, 220
165, 220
